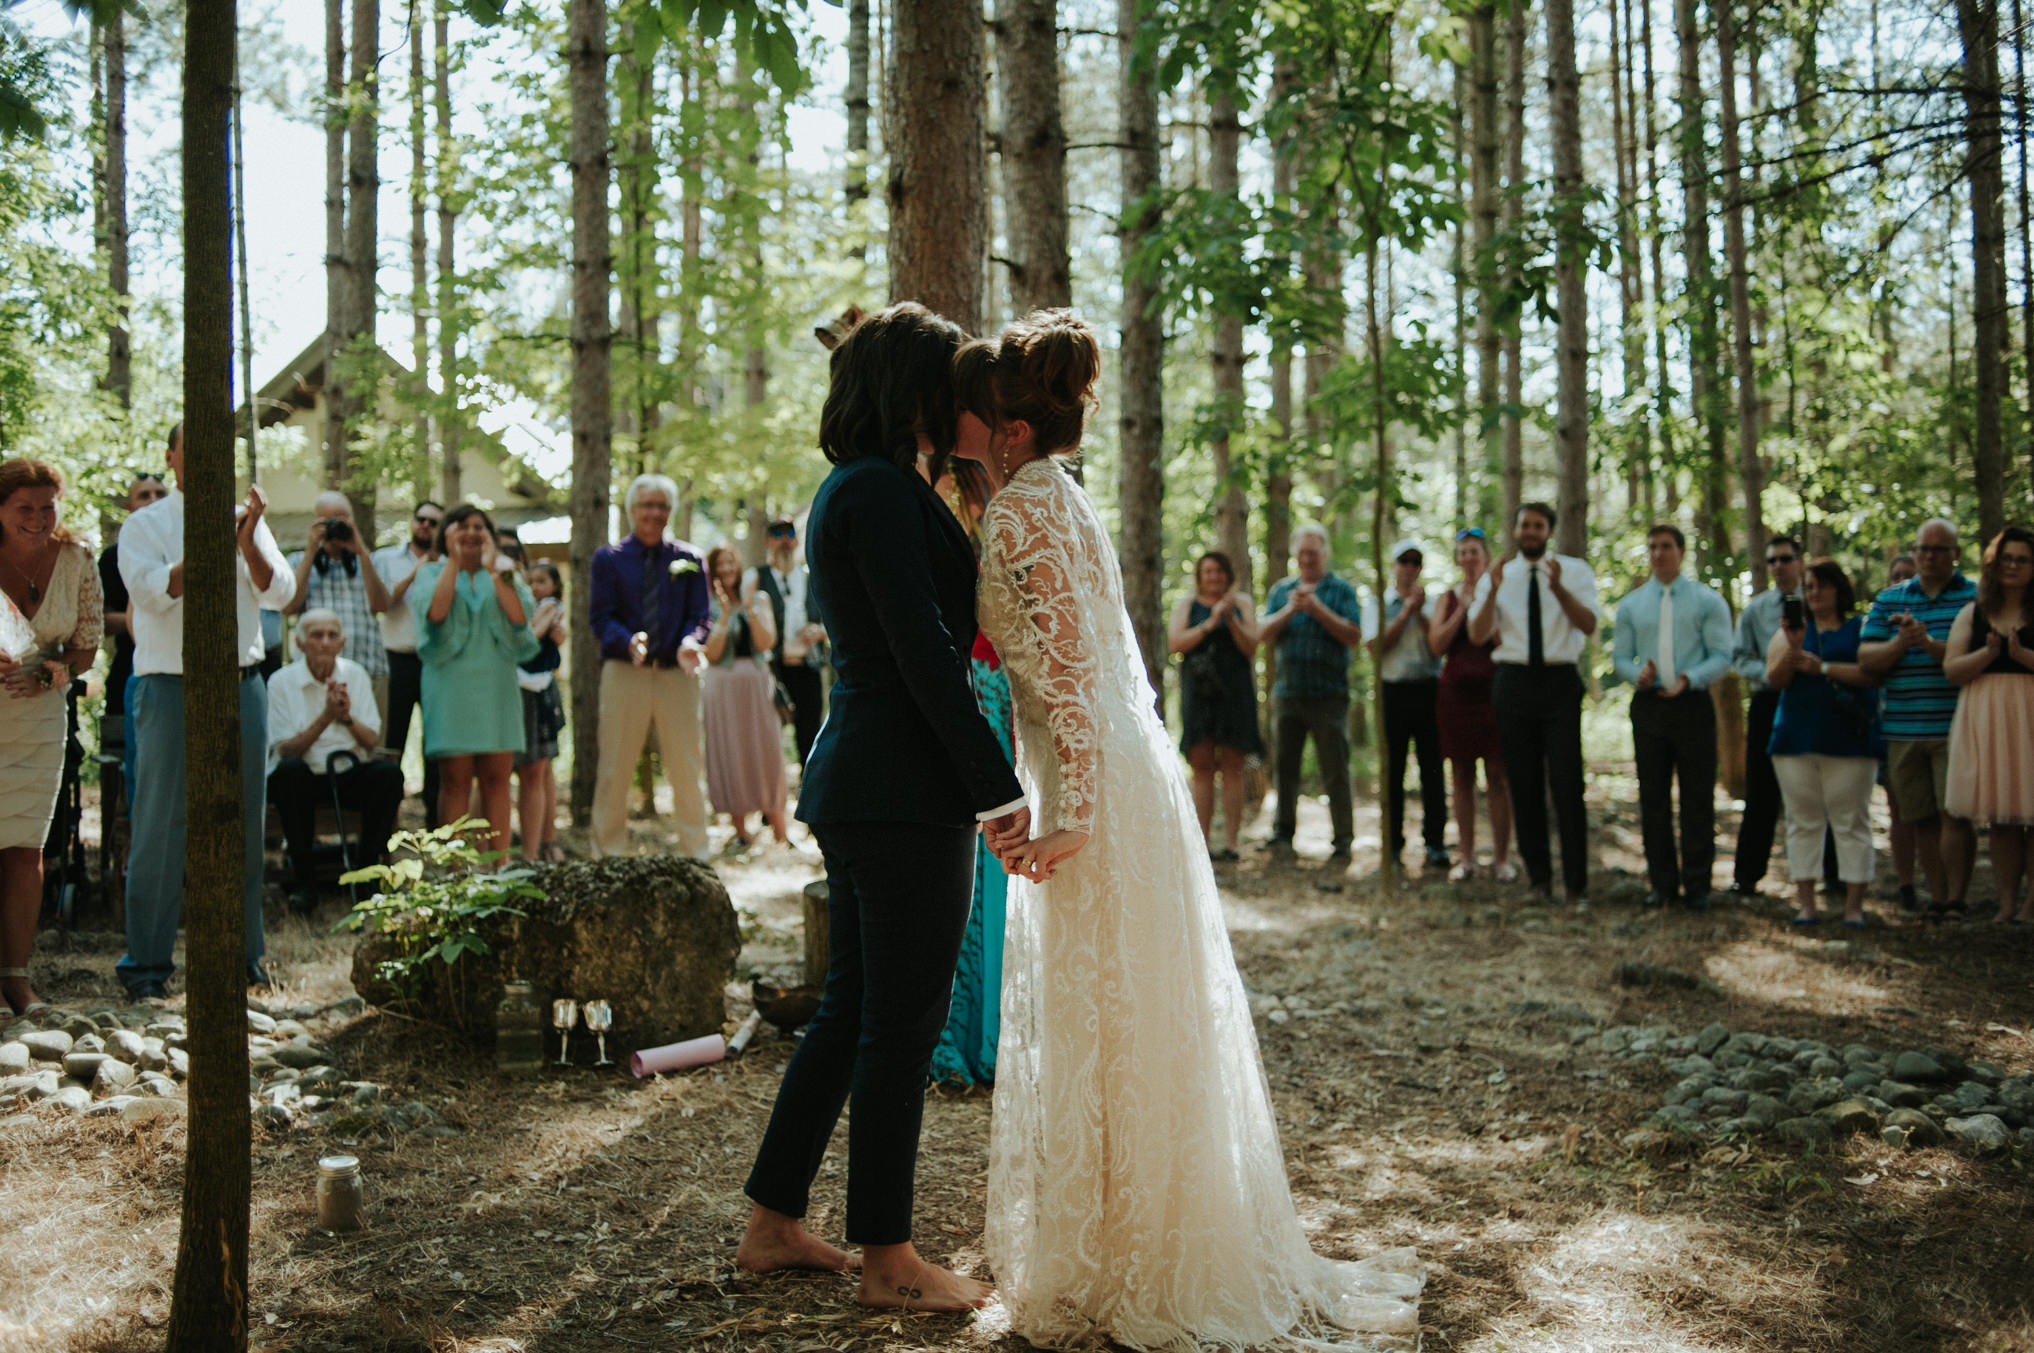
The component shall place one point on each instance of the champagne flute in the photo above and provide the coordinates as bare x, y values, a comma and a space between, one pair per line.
599, 1019
564, 1014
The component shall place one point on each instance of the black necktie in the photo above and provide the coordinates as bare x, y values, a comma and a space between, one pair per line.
1536, 644
650, 597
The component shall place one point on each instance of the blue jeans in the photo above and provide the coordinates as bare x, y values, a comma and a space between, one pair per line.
155, 860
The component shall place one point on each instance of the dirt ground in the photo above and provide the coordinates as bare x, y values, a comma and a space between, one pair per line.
1427, 1082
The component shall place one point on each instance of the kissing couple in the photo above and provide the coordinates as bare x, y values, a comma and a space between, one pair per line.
1137, 1190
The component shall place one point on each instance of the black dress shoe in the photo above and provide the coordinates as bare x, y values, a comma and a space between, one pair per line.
1437, 858
1656, 898
1697, 901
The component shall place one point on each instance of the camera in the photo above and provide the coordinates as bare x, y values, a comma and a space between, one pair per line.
1792, 614
337, 528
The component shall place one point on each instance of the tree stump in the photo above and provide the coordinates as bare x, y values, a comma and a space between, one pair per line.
816, 950
654, 935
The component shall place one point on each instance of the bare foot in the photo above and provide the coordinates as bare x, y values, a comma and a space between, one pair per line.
775, 1241
894, 1276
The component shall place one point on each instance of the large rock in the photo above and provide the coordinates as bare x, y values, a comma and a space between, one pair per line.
654, 936
1981, 1132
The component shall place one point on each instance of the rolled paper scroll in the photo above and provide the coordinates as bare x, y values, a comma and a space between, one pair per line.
678, 1056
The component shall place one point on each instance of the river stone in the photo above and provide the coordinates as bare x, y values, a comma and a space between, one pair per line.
78, 1026
302, 1056
1692, 1066
1848, 1116
158, 1087
89, 1043
154, 1056
1981, 1132
1680, 1115
1918, 1066
1729, 1101
139, 1110
1970, 1097
47, 1045
109, 1108
125, 1044
1857, 1082
1688, 1090
14, 1058
1807, 1131
180, 1063
259, 1022
1901, 1095
1823, 1068
1764, 1110
69, 1099
113, 1076
1853, 1053
83, 1065
655, 935
1762, 1079
1809, 1096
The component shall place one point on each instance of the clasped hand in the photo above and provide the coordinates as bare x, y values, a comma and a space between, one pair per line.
1034, 859
23, 681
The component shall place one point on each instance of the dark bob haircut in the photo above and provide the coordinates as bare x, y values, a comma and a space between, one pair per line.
1220, 561
1830, 574
890, 379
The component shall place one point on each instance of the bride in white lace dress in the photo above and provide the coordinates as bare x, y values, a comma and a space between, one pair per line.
1136, 1186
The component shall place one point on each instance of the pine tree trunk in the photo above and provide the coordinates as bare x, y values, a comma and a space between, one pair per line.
1460, 269
449, 421
1486, 148
1034, 154
857, 101
592, 377
338, 272
1225, 355
1631, 264
1571, 278
1141, 352
363, 295
1704, 342
245, 329
113, 191
1750, 469
420, 259
208, 1306
1516, 36
938, 167
1978, 22
1655, 248
636, 279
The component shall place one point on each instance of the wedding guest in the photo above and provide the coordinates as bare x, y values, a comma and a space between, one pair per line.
1541, 609
335, 572
1672, 642
1214, 628
318, 705
145, 489
473, 626
1826, 740
396, 565
801, 638
1411, 674
1467, 722
543, 716
1906, 636
1991, 740
1900, 834
1756, 626
744, 736
152, 565
1312, 620
50, 627
649, 609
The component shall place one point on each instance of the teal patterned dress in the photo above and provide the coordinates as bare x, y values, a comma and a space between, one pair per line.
471, 700
967, 1048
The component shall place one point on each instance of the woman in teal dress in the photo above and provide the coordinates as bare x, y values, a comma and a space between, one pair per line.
966, 1054
473, 626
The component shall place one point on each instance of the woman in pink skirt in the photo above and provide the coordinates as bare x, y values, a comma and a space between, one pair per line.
1991, 742
744, 737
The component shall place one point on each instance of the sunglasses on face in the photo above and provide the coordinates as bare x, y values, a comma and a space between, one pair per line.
781, 533
428, 521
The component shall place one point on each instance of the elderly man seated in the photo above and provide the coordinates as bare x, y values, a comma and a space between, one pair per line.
318, 705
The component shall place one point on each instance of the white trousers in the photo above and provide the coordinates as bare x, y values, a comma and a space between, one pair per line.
632, 700
1832, 792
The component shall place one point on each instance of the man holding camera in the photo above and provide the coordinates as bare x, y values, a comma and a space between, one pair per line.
336, 573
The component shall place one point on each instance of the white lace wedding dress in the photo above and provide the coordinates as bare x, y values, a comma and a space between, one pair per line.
1137, 1191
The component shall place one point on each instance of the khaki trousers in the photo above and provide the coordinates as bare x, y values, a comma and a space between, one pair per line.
633, 698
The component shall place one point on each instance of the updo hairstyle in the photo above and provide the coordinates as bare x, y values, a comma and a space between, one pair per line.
1041, 370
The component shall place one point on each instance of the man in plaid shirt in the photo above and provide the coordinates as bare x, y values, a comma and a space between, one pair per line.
337, 573
1314, 619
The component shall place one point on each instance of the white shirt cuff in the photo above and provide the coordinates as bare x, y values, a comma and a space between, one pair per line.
1004, 811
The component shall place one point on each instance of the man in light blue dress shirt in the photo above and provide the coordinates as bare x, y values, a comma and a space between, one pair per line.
1672, 642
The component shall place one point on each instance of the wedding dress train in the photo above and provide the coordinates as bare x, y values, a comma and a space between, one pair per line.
1137, 1190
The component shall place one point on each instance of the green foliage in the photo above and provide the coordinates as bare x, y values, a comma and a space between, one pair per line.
434, 900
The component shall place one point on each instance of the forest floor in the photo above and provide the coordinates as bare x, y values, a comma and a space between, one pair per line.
1434, 1087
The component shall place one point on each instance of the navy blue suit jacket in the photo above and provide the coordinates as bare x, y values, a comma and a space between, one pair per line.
904, 740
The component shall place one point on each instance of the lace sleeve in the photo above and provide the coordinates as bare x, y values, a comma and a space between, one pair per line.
1039, 567
91, 630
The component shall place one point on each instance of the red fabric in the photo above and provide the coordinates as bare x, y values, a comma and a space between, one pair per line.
986, 651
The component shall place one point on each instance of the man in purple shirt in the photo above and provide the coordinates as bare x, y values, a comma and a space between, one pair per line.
649, 610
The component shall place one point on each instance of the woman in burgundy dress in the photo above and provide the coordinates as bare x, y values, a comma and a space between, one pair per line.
1468, 723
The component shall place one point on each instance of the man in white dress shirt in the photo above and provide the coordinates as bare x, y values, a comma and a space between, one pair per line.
799, 633
152, 565
320, 705
1542, 608
397, 566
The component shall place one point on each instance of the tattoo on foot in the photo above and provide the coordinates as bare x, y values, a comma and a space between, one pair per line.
910, 1293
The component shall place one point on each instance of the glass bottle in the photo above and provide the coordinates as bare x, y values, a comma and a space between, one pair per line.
518, 1030
341, 1197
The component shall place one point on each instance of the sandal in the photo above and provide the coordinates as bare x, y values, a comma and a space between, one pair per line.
33, 1008
1803, 922
553, 853
1462, 872
1505, 873
1946, 913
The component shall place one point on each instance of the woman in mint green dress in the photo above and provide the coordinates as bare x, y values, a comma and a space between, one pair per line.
473, 626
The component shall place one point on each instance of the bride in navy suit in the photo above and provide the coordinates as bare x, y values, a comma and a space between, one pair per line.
903, 775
